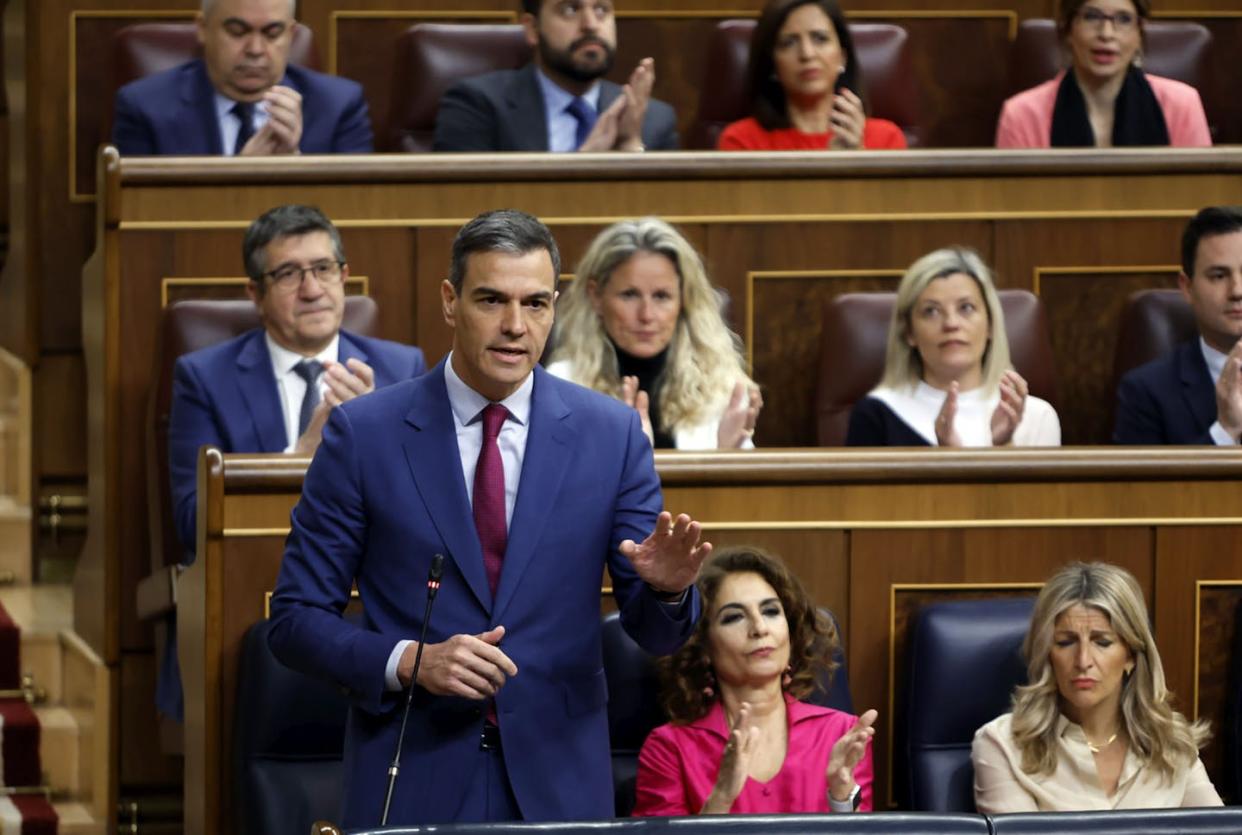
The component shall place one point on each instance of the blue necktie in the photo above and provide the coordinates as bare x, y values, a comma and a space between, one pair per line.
244, 111
308, 370
585, 115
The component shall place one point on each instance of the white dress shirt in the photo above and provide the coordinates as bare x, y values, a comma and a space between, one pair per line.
467, 406
230, 122
290, 385
1216, 366
562, 126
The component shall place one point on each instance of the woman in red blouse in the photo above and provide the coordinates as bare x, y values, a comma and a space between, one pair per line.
741, 740
805, 85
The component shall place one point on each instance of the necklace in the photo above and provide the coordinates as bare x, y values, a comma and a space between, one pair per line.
1095, 749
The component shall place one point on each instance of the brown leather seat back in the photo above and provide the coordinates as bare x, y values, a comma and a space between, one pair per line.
1153, 322
430, 58
1175, 49
883, 53
188, 326
854, 340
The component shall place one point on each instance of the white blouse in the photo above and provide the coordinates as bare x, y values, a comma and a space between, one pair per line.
1002, 786
919, 405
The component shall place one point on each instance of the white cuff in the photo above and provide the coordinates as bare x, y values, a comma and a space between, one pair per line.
847, 805
394, 660
1219, 436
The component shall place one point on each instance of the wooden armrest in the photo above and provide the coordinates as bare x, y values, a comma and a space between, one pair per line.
157, 593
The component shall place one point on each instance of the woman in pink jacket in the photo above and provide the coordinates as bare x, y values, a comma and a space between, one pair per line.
1104, 99
741, 740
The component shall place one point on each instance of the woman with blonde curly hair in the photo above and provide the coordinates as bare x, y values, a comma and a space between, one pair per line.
642, 323
740, 739
1095, 727
947, 377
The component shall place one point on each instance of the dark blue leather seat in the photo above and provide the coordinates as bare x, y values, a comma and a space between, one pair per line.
634, 703
1226, 821
289, 732
964, 661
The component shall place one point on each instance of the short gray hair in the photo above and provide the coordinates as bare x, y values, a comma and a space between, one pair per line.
284, 222
503, 230
207, 4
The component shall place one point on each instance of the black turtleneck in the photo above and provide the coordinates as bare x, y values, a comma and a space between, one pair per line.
648, 371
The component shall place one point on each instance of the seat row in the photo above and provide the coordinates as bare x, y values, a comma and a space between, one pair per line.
855, 325
290, 729
430, 57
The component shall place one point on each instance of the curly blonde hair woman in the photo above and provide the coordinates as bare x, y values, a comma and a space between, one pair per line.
1095, 727
642, 323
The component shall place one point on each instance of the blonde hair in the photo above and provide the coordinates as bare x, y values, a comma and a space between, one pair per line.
903, 365
1158, 734
704, 358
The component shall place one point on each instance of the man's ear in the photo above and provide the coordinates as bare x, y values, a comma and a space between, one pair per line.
1183, 284
530, 30
448, 302
200, 27
252, 292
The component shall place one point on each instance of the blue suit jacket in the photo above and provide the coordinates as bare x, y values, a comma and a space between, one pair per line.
1170, 400
174, 113
226, 396
504, 111
384, 494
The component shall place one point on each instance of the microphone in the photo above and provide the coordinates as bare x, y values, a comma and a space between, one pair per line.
433, 586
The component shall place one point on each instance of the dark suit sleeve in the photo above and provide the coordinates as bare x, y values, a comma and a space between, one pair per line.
658, 627
325, 545
466, 121
353, 129
132, 134
866, 427
191, 424
1140, 419
660, 128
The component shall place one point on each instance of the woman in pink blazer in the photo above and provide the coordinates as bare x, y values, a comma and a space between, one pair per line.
1104, 99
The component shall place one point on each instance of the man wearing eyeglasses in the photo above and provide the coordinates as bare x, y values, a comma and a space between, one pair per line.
271, 389
242, 97
561, 101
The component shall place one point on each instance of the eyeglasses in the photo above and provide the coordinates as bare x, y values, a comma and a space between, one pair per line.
1122, 21
289, 276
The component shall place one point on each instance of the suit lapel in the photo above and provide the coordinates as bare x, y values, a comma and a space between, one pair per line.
607, 93
528, 118
198, 96
1197, 388
258, 388
547, 456
435, 464
349, 349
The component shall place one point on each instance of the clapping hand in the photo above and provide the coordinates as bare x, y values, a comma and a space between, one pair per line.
637, 399
847, 120
946, 428
1008, 414
669, 559
1229, 394
735, 763
283, 130
847, 753
637, 94
738, 423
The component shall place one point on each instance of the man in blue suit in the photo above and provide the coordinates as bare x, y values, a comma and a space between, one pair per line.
528, 485
242, 97
271, 389
1193, 394
561, 102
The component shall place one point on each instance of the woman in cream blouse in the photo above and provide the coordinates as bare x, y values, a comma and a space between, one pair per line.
1094, 729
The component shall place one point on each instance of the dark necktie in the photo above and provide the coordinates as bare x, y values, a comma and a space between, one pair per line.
244, 111
489, 495
308, 370
585, 115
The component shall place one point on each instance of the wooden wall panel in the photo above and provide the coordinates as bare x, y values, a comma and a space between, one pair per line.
1198, 582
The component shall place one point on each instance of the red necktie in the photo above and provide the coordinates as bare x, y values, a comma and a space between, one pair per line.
489, 495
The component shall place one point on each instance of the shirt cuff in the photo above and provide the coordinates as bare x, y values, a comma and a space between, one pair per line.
667, 598
1219, 436
391, 682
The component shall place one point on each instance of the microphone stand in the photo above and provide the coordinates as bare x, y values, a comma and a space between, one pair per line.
433, 586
